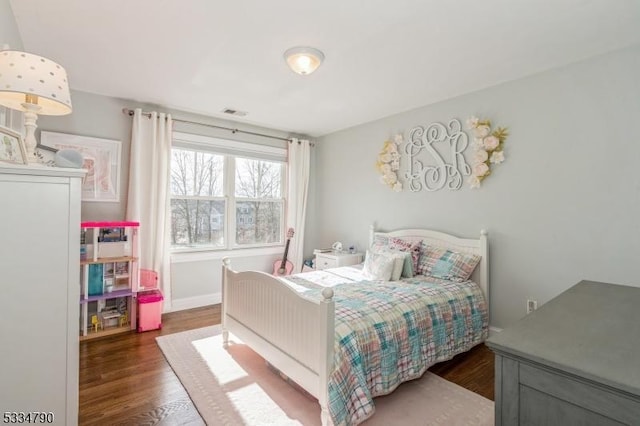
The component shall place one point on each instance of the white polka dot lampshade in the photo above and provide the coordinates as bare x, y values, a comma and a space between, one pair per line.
23, 74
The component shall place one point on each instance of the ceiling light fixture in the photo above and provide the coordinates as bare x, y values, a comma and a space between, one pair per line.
303, 60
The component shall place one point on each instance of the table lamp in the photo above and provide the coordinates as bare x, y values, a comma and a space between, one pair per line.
34, 85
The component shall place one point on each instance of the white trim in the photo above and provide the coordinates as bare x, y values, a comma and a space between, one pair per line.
197, 256
494, 330
241, 149
230, 191
195, 302
41, 170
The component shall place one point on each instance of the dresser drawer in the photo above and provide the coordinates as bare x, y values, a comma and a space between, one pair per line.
599, 402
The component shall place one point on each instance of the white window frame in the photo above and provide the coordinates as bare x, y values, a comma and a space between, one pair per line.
230, 150
230, 181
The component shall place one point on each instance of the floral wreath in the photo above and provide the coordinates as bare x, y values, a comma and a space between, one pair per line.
389, 162
489, 148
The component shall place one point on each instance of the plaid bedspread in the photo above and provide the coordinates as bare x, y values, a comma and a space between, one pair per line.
391, 332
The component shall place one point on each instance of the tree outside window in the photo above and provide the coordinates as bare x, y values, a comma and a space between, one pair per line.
259, 206
201, 200
197, 199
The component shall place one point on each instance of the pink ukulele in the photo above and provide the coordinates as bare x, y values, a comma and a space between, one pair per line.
284, 267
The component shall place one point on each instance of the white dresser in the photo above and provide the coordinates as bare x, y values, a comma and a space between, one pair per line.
335, 259
39, 279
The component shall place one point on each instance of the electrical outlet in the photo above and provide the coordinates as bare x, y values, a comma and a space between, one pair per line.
532, 305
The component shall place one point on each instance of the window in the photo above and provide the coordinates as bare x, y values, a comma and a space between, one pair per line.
197, 199
225, 198
259, 204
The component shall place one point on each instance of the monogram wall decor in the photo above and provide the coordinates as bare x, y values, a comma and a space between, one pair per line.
435, 156
442, 165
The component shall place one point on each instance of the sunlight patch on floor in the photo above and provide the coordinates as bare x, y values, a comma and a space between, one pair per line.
214, 358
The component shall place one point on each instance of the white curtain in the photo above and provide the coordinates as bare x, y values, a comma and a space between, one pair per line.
299, 154
148, 201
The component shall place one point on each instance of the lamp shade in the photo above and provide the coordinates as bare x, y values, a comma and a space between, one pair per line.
24, 74
303, 60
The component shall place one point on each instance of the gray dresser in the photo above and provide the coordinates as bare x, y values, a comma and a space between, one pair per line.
574, 361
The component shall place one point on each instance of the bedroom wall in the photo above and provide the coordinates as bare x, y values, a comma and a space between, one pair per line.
195, 281
9, 33
564, 206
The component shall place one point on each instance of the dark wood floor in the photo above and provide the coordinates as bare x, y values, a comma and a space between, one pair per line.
125, 379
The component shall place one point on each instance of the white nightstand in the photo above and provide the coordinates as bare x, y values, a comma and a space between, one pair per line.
333, 259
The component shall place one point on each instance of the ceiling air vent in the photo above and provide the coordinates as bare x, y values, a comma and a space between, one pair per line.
235, 112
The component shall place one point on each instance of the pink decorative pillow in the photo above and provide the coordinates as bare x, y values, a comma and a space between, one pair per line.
412, 247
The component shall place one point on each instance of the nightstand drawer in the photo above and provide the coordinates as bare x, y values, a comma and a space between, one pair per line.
324, 262
335, 260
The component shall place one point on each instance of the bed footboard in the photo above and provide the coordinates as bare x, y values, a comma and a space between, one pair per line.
293, 333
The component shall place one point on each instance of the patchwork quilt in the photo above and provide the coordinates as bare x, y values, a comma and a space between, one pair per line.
391, 332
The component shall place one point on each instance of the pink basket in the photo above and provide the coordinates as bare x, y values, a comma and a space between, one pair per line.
148, 279
149, 310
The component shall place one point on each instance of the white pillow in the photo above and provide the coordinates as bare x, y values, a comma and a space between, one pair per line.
398, 263
403, 257
378, 266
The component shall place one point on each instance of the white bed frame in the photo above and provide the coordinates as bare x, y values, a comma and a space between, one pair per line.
296, 335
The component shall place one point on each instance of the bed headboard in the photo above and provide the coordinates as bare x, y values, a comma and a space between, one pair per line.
478, 246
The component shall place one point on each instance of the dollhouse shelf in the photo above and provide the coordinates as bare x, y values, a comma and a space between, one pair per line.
109, 260
112, 295
106, 332
109, 278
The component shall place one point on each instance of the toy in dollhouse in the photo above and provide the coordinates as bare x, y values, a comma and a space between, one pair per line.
96, 323
113, 312
112, 235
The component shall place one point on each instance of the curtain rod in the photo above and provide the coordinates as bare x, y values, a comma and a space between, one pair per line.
130, 113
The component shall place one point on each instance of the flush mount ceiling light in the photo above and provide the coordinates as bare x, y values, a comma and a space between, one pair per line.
303, 60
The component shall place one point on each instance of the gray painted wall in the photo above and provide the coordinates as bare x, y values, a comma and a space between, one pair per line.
564, 206
9, 33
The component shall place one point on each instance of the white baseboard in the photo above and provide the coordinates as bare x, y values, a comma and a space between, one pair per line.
494, 330
195, 301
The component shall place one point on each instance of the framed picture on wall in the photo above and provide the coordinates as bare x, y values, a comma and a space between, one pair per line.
12, 147
101, 157
11, 119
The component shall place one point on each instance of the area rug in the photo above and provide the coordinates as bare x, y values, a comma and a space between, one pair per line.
236, 387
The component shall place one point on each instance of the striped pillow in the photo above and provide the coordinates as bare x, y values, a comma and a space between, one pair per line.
440, 262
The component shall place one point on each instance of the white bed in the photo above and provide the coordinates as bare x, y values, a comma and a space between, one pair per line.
296, 334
